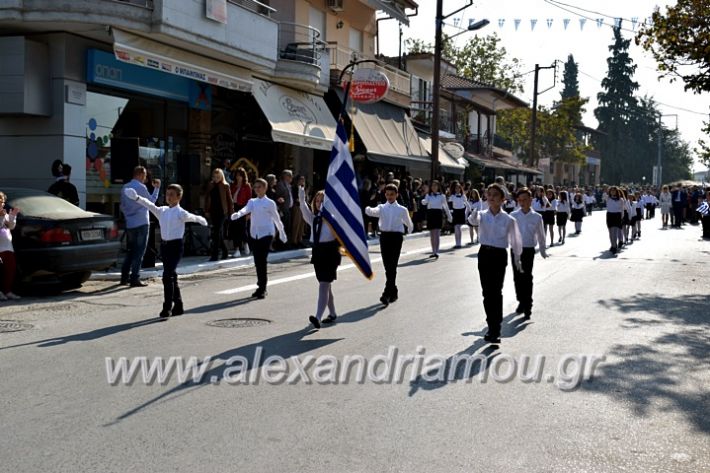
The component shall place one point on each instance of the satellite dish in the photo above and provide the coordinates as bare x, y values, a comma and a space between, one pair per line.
456, 150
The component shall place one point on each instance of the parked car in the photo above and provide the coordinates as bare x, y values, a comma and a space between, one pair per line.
58, 243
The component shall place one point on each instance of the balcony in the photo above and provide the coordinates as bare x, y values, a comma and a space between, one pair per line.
400, 81
302, 57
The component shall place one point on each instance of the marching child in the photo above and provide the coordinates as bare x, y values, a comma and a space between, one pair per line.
548, 217
638, 216
498, 231
264, 219
436, 206
532, 233
325, 257
563, 211
578, 212
475, 207
393, 218
614, 218
459, 204
172, 219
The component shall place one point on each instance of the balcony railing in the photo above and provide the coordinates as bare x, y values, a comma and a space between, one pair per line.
502, 143
300, 43
148, 4
255, 6
340, 57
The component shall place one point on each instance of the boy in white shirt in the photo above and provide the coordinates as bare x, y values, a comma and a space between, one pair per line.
264, 219
393, 218
172, 219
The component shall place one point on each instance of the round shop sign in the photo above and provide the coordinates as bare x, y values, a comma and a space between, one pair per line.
368, 86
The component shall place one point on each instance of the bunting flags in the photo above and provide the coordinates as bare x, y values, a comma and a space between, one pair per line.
566, 22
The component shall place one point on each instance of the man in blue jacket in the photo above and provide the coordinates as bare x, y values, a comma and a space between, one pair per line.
137, 226
679, 200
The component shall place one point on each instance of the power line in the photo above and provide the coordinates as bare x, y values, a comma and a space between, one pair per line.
557, 2
554, 4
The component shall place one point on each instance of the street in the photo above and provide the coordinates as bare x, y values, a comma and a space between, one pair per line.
642, 316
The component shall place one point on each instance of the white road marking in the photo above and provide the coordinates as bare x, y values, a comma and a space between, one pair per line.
310, 274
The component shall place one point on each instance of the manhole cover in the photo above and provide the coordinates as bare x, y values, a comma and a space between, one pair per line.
238, 323
13, 326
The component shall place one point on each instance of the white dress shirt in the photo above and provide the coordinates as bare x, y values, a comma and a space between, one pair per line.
393, 217
562, 207
459, 201
7, 224
172, 219
538, 205
265, 218
531, 229
499, 231
326, 234
614, 205
437, 202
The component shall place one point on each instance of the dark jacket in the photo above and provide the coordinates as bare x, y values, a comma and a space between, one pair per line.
66, 190
225, 196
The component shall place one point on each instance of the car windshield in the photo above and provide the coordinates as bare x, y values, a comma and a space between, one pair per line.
41, 205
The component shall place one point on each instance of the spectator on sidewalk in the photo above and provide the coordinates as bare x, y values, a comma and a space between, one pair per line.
298, 223
218, 206
241, 193
7, 252
284, 199
137, 226
63, 188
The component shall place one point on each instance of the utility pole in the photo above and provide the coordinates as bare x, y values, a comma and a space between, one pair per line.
660, 152
533, 127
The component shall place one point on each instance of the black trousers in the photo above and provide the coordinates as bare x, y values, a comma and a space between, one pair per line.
677, 216
706, 226
217, 237
524, 280
260, 249
391, 247
171, 253
491, 269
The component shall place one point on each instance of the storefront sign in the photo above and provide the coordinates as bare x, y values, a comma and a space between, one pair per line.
368, 86
75, 94
103, 68
217, 10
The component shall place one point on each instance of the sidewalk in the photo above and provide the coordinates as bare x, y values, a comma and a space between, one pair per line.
199, 264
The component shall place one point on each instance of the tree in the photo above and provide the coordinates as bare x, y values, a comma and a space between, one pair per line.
571, 91
482, 59
678, 40
617, 107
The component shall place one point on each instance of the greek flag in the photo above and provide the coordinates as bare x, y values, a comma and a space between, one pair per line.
342, 203
703, 208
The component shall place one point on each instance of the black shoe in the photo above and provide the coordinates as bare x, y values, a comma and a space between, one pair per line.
330, 319
178, 309
433, 255
214, 258
393, 299
164, 314
259, 294
225, 255
314, 321
528, 314
385, 300
520, 309
124, 282
138, 284
436, 256
492, 339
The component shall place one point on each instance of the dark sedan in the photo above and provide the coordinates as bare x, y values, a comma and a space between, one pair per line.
57, 242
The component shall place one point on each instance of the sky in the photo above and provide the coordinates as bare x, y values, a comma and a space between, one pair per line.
542, 45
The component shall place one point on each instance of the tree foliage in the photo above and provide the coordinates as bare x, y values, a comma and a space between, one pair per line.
482, 59
570, 90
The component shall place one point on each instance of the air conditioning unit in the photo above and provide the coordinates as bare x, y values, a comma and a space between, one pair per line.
335, 5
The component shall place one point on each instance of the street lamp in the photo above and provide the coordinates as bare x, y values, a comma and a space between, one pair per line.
437, 77
472, 27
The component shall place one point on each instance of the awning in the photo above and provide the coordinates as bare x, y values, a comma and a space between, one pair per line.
141, 51
447, 163
391, 8
500, 165
296, 117
388, 134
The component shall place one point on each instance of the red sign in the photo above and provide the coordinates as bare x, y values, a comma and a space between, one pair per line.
368, 86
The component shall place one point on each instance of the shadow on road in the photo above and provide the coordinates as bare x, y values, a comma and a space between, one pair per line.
285, 346
88, 336
656, 375
220, 305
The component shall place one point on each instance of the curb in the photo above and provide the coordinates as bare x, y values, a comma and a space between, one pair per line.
234, 263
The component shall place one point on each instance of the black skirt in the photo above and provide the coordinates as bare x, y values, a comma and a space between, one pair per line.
613, 220
434, 219
625, 219
325, 259
459, 217
577, 215
548, 217
562, 219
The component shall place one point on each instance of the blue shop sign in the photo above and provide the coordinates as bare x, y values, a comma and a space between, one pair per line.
103, 68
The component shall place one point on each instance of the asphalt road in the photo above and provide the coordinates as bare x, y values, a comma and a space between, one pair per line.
642, 315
